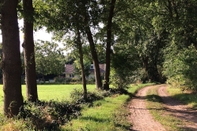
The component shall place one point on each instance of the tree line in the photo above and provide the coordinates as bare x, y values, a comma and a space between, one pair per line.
143, 40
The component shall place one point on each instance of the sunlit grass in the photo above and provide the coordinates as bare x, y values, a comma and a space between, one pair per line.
109, 114
50, 92
135, 87
100, 116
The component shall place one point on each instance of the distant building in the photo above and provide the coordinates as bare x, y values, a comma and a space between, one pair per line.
102, 70
70, 70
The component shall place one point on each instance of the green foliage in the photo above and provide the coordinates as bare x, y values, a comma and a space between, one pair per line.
49, 115
60, 80
77, 96
87, 64
104, 109
108, 114
181, 70
49, 58
124, 63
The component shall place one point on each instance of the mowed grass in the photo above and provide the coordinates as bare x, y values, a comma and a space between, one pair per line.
50, 92
109, 114
100, 117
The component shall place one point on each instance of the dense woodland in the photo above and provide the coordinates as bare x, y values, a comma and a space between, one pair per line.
139, 41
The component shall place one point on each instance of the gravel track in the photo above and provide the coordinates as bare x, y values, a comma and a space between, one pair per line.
142, 120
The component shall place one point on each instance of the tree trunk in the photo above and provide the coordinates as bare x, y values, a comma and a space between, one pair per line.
11, 63
109, 43
93, 53
95, 59
79, 44
29, 56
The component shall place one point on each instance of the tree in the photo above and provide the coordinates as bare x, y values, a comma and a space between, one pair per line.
124, 65
139, 29
94, 55
49, 58
79, 43
11, 63
70, 17
29, 56
109, 43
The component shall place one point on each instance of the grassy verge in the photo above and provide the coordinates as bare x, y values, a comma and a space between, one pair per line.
135, 87
109, 114
101, 116
189, 98
156, 108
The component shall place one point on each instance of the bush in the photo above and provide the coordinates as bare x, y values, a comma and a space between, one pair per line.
181, 70
77, 96
48, 115
60, 80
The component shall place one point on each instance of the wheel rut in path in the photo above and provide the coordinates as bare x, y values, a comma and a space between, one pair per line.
142, 120
140, 117
179, 110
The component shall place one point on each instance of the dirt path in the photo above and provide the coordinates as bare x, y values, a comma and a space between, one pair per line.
140, 116
179, 110
143, 121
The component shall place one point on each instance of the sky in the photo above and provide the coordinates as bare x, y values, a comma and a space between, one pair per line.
41, 34
38, 35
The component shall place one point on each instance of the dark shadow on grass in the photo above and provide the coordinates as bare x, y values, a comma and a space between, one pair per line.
189, 115
187, 98
100, 120
124, 126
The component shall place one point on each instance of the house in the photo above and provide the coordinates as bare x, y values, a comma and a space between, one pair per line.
70, 71
102, 70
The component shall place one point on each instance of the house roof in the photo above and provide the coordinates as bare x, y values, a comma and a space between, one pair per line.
69, 69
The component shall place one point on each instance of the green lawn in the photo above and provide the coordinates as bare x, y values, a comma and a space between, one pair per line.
109, 114
50, 92
101, 116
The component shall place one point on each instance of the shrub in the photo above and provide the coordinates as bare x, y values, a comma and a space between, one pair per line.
48, 115
60, 80
181, 70
124, 65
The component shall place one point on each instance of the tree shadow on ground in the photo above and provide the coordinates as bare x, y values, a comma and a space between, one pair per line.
187, 98
173, 107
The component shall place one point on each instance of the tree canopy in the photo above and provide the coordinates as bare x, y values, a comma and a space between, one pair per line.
49, 58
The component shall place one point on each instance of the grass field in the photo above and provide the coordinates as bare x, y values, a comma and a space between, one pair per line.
50, 92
